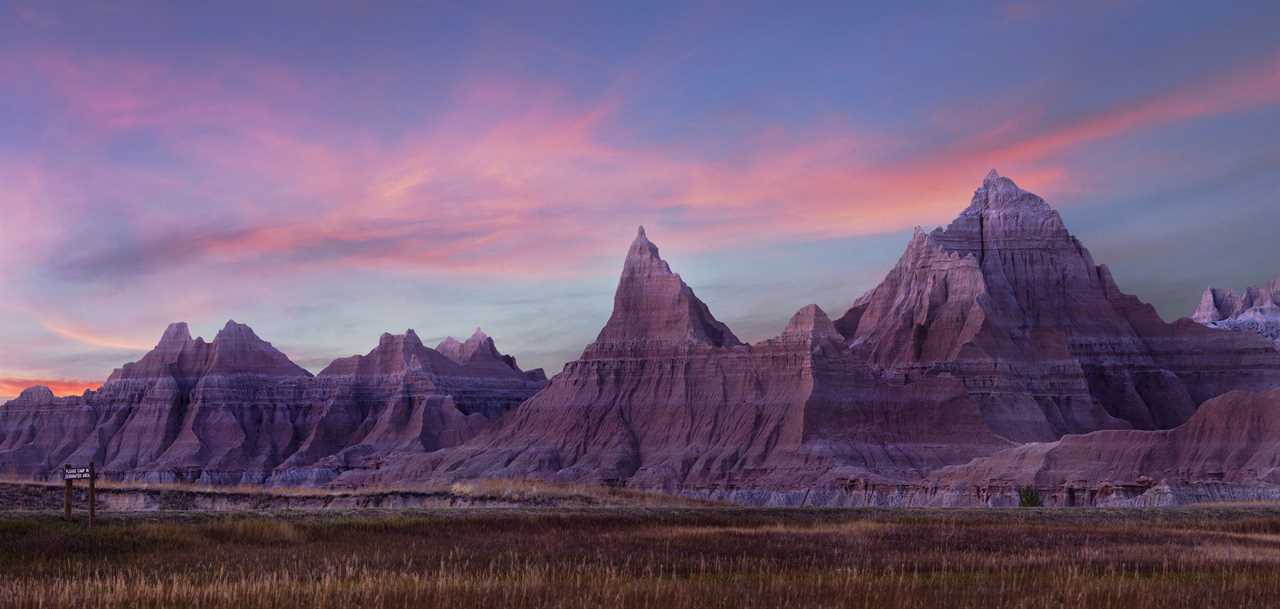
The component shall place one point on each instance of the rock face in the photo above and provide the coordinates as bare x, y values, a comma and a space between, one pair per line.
668, 398
237, 410
1256, 311
1228, 450
1009, 302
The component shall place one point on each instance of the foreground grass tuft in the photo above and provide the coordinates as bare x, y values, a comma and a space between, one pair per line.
644, 557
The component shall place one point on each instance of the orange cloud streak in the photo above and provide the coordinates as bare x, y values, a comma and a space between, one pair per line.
88, 337
10, 386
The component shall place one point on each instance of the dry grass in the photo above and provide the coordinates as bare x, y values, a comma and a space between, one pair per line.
478, 491
668, 558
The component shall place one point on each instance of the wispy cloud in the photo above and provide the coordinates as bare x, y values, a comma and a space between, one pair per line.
518, 179
89, 337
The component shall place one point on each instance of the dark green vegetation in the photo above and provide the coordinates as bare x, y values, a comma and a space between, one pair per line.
1029, 496
659, 557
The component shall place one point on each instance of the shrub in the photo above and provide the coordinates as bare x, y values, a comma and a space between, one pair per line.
1029, 496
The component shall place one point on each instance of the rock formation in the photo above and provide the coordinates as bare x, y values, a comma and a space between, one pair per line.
1228, 450
1256, 311
237, 410
951, 383
668, 398
1009, 302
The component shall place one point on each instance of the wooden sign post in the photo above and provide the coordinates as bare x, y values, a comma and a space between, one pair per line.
71, 473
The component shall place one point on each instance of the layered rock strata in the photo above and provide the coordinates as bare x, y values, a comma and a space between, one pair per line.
668, 398
1006, 300
1228, 451
236, 410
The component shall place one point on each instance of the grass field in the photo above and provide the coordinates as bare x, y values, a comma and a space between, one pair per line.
650, 557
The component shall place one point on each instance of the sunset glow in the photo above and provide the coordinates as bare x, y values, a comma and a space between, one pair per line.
443, 169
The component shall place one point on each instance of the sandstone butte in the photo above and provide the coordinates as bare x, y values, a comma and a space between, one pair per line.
992, 338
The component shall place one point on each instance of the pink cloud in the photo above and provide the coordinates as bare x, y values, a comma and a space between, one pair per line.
517, 179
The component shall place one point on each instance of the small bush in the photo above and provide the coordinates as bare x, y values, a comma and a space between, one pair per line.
1029, 496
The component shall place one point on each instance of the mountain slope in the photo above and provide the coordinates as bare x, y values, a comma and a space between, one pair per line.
1007, 300
668, 398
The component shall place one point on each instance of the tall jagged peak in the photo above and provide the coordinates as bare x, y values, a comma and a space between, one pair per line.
235, 329
238, 350
1003, 216
998, 192
652, 303
643, 258
177, 333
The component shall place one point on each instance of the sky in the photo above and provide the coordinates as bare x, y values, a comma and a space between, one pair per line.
329, 171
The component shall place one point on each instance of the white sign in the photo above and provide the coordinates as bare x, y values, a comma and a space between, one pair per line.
75, 473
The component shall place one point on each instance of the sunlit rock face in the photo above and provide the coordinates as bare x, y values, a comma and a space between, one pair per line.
1009, 302
237, 410
1257, 310
668, 398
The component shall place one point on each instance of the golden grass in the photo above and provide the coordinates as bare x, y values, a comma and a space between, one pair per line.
649, 557
510, 490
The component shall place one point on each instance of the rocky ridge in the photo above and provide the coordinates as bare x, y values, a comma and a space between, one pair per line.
236, 410
668, 398
1229, 450
1257, 310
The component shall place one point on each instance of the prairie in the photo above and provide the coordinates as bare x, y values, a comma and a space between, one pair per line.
667, 557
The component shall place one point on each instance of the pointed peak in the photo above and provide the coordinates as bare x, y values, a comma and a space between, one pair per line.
999, 192
643, 257
176, 333
411, 337
233, 329
652, 303
811, 322
478, 335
